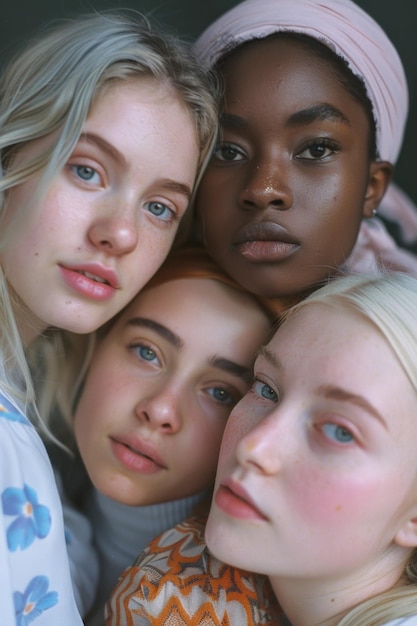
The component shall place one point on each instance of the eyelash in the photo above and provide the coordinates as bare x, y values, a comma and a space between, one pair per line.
77, 167
221, 147
137, 348
259, 386
173, 215
229, 399
342, 430
323, 142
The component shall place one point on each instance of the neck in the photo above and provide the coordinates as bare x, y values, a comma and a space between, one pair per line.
28, 325
315, 602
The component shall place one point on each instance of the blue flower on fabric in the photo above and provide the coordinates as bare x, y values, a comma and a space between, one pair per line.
35, 600
9, 413
32, 519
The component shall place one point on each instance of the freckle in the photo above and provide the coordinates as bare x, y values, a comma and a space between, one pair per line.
338, 507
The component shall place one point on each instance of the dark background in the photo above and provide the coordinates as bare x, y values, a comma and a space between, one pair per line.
188, 18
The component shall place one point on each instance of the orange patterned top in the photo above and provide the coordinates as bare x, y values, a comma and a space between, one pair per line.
177, 582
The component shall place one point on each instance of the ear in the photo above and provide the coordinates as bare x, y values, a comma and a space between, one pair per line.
406, 535
380, 174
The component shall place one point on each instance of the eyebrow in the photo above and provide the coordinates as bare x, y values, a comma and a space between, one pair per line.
232, 121
336, 393
160, 329
269, 356
304, 117
318, 112
116, 155
174, 185
231, 367
104, 145
215, 361
329, 391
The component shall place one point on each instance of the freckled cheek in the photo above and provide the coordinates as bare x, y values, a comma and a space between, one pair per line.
322, 498
231, 436
227, 448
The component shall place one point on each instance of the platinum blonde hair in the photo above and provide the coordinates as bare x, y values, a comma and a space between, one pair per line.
48, 90
389, 302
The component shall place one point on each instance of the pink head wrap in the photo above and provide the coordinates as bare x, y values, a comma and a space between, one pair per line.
342, 26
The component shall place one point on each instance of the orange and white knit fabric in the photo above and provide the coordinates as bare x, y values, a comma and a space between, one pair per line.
176, 582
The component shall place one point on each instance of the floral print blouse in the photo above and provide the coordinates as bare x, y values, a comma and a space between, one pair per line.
35, 585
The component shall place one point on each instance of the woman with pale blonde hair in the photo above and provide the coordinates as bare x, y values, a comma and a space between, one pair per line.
105, 125
317, 479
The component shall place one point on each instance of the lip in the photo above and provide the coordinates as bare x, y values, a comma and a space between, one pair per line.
137, 454
265, 242
91, 279
232, 498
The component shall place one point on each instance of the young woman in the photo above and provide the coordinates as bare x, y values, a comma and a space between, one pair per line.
104, 126
317, 479
162, 381
309, 136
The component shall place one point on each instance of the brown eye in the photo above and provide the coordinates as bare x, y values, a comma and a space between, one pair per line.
228, 152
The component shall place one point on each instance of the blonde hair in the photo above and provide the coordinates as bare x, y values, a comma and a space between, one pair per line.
389, 302
48, 90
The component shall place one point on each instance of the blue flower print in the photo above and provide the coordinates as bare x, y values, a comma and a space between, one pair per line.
34, 601
10, 413
32, 519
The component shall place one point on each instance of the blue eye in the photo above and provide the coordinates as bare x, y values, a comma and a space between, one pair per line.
337, 433
86, 173
265, 391
160, 210
221, 395
146, 353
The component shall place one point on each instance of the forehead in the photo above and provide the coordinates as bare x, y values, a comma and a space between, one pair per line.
209, 296
278, 52
274, 69
321, 338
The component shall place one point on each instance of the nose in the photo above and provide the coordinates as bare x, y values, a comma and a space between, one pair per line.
259, 448
115, 231
161, 410
266, 186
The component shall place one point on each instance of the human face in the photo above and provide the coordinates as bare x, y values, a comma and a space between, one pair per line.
160, 387
109, 217
317, 471
284, 195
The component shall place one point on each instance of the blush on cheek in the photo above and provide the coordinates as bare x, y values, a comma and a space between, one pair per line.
320, 497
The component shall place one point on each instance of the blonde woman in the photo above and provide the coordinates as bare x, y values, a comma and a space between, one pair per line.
105, 125
317, 479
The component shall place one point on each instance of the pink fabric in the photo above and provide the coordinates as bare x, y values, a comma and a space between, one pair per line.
375, 250
399, 207
345, 28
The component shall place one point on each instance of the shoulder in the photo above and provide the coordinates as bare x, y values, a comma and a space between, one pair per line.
9, 412
176, 575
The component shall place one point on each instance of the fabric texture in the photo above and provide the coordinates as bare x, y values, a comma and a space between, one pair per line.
176, 582
121, 532
345, 28
83, 558
35, 583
